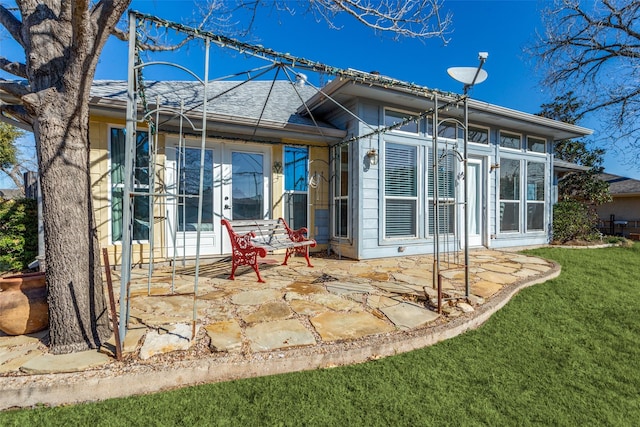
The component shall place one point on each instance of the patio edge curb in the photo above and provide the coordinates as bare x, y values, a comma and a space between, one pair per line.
60, 389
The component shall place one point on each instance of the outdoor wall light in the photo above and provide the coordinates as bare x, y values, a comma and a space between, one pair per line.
372, 154
277, 167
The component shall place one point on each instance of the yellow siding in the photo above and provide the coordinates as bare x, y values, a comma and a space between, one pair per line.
277, 183
318, 196
99, 163
99, 158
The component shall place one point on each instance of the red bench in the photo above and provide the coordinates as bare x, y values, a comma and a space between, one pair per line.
253, 238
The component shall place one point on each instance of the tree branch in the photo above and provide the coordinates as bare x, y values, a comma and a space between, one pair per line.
15, 174
120, 34
149, 43
412, 18
12, 24
16, 113
12, 67
593, 48
13, 88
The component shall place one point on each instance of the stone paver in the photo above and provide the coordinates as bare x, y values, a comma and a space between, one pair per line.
274, 310
279, 334
341, 326
131, 341
17, 357
397, 288
409, 316
307, 308
485, 289
335, 302
342, 288
256, 297
500, 268
466, 308
174, 338
72, 362
12, 341
380, 301
426, 280
225, 336
499, 278
303, 288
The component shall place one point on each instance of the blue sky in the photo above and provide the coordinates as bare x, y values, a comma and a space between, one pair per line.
502, 28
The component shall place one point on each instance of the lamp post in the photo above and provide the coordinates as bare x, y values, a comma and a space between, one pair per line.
469, 76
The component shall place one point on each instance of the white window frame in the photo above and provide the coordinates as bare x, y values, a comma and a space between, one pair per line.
447, 199
294, 192
339, 198
539, 153
480, 144
402, 118
510, 201
519, 135
528, 201
112, 187
415, 198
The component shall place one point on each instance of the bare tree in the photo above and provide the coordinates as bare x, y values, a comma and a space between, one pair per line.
62, 41
593, 49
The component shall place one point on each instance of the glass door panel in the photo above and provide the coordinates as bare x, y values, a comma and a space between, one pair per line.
183, 183
189, 187
247, 185
475, 202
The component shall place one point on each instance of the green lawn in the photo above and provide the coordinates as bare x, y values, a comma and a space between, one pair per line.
566, 352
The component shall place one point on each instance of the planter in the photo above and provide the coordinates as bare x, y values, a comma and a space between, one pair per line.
23, 304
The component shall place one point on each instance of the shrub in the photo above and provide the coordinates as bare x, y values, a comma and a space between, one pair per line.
18, 234
573, 220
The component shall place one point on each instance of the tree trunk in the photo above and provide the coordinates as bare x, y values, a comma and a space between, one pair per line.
78, 316
62, 42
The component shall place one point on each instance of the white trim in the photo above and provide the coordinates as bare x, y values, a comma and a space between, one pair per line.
500, 132
538, 153
111, 126
400, 111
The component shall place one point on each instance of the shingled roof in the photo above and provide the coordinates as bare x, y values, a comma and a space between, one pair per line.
275, 101
620, 185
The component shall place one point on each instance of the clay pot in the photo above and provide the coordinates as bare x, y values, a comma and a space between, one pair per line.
23, 304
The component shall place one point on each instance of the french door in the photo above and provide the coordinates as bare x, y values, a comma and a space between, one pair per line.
235, 186
475, 202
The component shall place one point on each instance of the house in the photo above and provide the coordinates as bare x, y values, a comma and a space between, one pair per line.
622, 214
353, 162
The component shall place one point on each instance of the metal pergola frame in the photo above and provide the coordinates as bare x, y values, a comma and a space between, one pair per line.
136, 96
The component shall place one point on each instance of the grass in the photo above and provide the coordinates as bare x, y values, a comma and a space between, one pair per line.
564, 352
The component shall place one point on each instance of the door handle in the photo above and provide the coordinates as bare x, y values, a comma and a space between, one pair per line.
227, 206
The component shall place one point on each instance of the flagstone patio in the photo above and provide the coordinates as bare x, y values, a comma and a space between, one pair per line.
310, 310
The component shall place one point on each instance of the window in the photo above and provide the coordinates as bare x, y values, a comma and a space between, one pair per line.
401, 190
478, 135
510, 140
394, 117
536, 145
140, 183
509, 195
189, 190
341, 192
535, 196
296, 161
446, 192
448, 130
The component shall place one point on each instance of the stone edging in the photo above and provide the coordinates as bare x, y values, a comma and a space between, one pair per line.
70, 388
